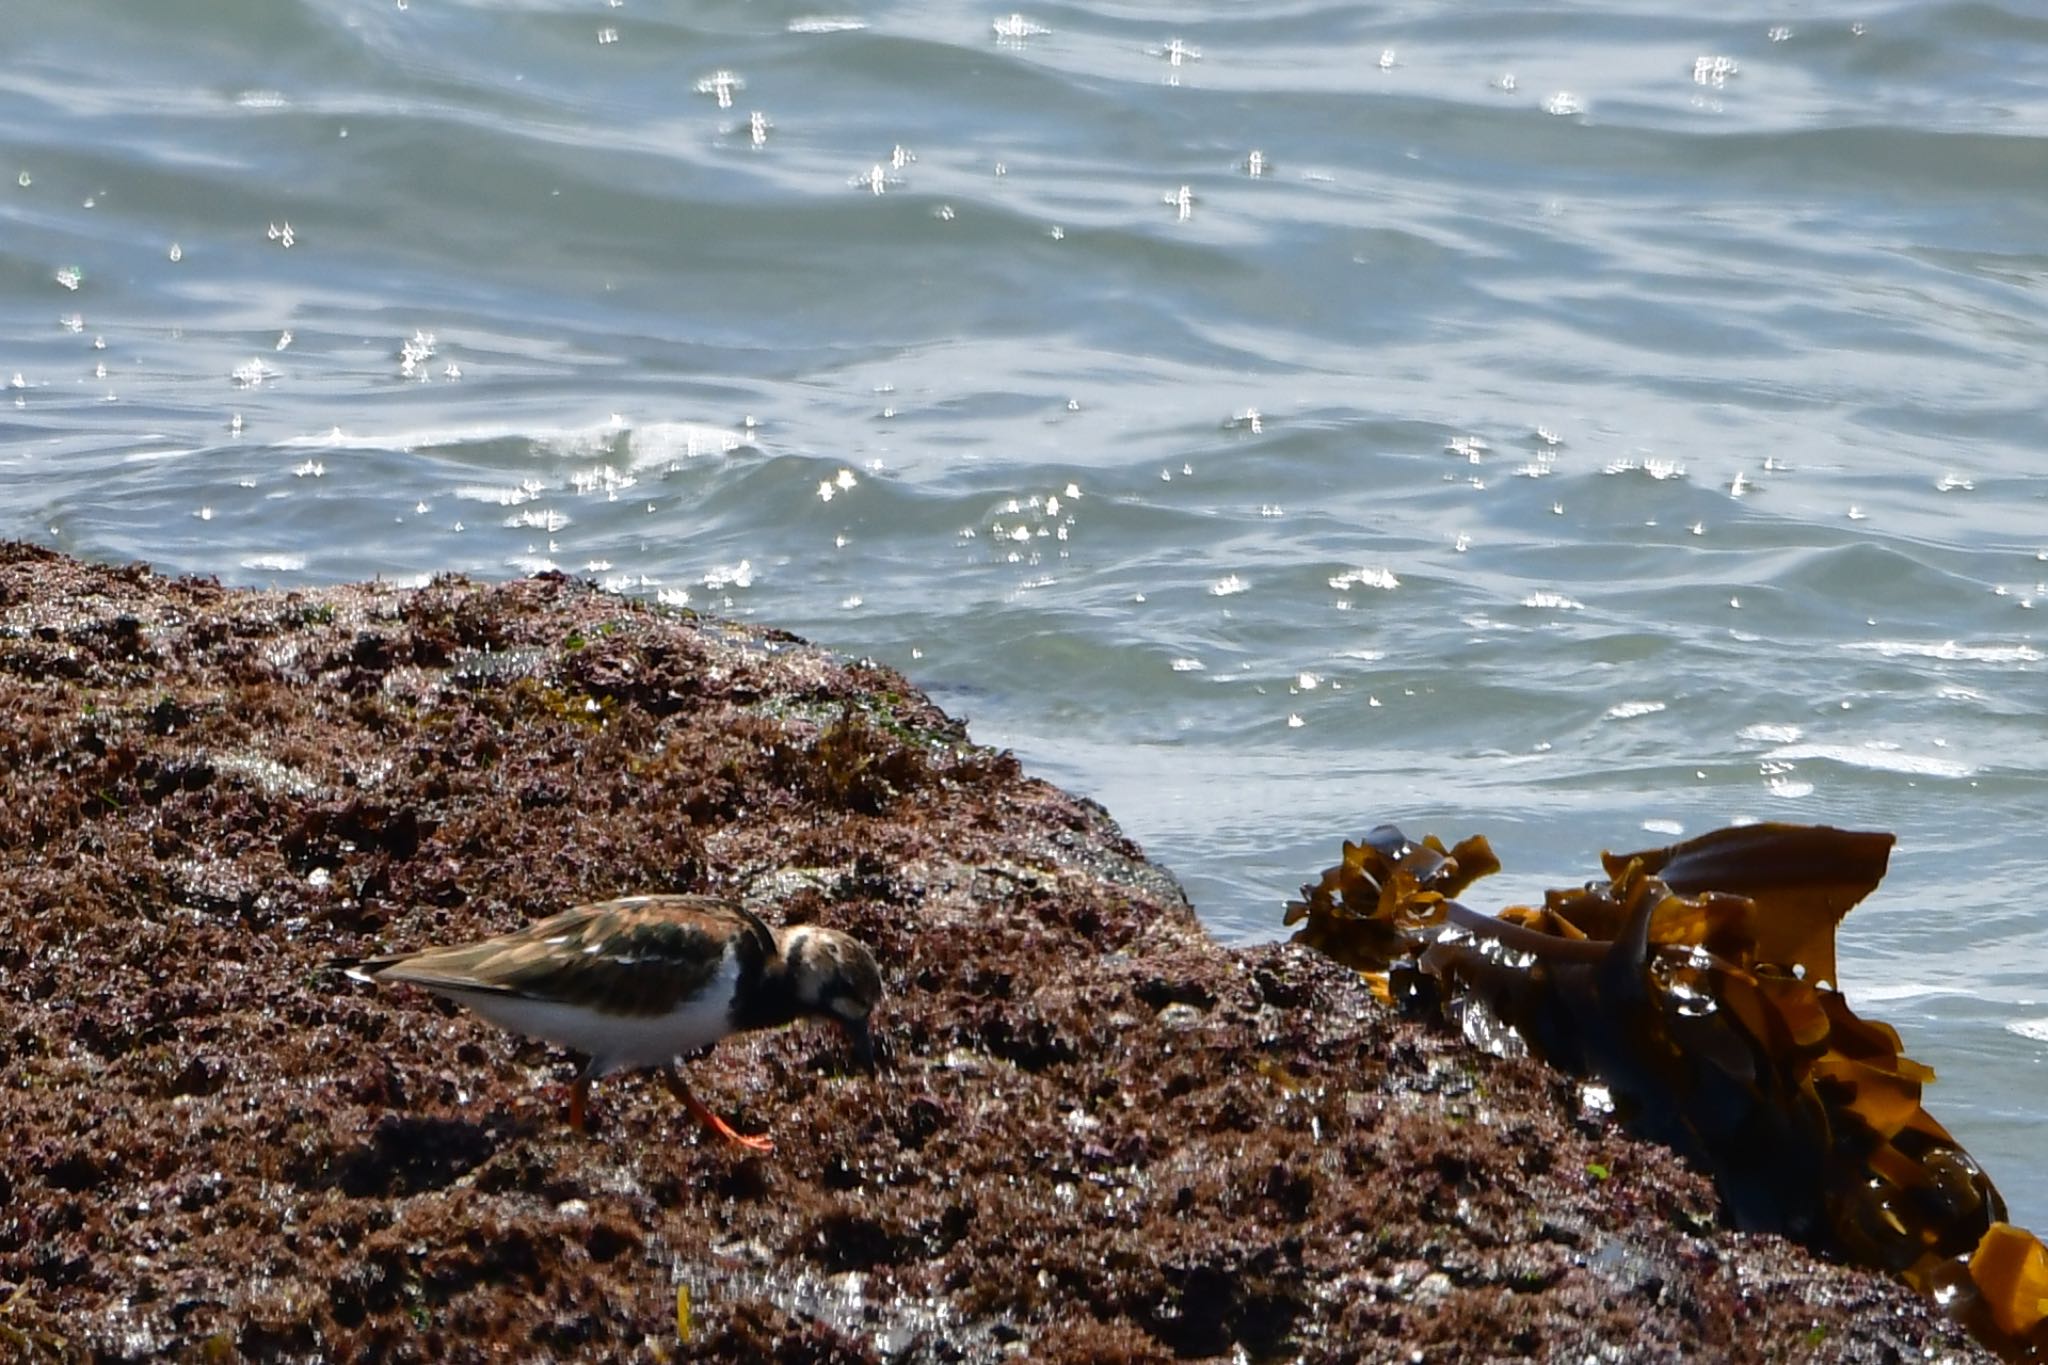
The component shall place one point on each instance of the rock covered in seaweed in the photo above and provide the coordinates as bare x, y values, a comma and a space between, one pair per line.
1105, 1137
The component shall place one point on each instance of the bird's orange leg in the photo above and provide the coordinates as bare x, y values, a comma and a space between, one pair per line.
579, 1098
757, 1142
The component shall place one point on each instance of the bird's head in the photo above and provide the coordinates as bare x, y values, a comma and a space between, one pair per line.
833, 975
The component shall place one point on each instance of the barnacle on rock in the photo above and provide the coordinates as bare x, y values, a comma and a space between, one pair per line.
1698, 984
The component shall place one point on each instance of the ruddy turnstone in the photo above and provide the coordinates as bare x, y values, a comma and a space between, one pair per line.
647, 980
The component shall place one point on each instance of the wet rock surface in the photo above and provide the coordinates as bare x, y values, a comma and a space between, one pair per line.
1099, 1135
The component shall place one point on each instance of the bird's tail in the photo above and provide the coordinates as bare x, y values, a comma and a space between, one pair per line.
364, 969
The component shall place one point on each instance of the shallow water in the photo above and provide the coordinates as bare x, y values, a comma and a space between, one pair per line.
1569, 422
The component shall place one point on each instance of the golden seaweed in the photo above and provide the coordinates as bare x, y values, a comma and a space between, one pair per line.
1698, 984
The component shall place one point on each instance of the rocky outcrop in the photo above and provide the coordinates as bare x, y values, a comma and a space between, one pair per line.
1098, 1134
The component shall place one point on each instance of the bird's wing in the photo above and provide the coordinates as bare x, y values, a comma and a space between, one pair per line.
640, 955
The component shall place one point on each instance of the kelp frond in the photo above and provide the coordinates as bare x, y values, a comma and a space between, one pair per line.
1699, 985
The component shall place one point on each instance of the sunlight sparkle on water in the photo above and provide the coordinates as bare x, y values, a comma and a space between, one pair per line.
876, 180
1016, 28
1713, 71
413, 353
1656, 468
603, 479
720, 86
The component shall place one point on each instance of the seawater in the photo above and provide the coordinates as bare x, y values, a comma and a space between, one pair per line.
1583, 423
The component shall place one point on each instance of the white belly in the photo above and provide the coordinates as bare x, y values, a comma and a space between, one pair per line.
620, 1042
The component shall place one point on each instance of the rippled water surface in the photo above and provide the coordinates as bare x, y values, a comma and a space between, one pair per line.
1584, 423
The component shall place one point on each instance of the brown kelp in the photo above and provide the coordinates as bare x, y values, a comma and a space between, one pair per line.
1698, 985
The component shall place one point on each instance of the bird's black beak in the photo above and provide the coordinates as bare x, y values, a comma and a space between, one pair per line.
861, 1041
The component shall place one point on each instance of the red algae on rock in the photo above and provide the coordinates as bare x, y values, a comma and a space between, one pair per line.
1098, 1136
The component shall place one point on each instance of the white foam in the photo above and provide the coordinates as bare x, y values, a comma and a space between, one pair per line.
502, 495
1875, 756
587, 441
1770, 734
1381, 578
1948, 651
1892, 990
722, 576
663, 442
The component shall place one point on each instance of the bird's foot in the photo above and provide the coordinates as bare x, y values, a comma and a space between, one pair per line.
753, 1142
